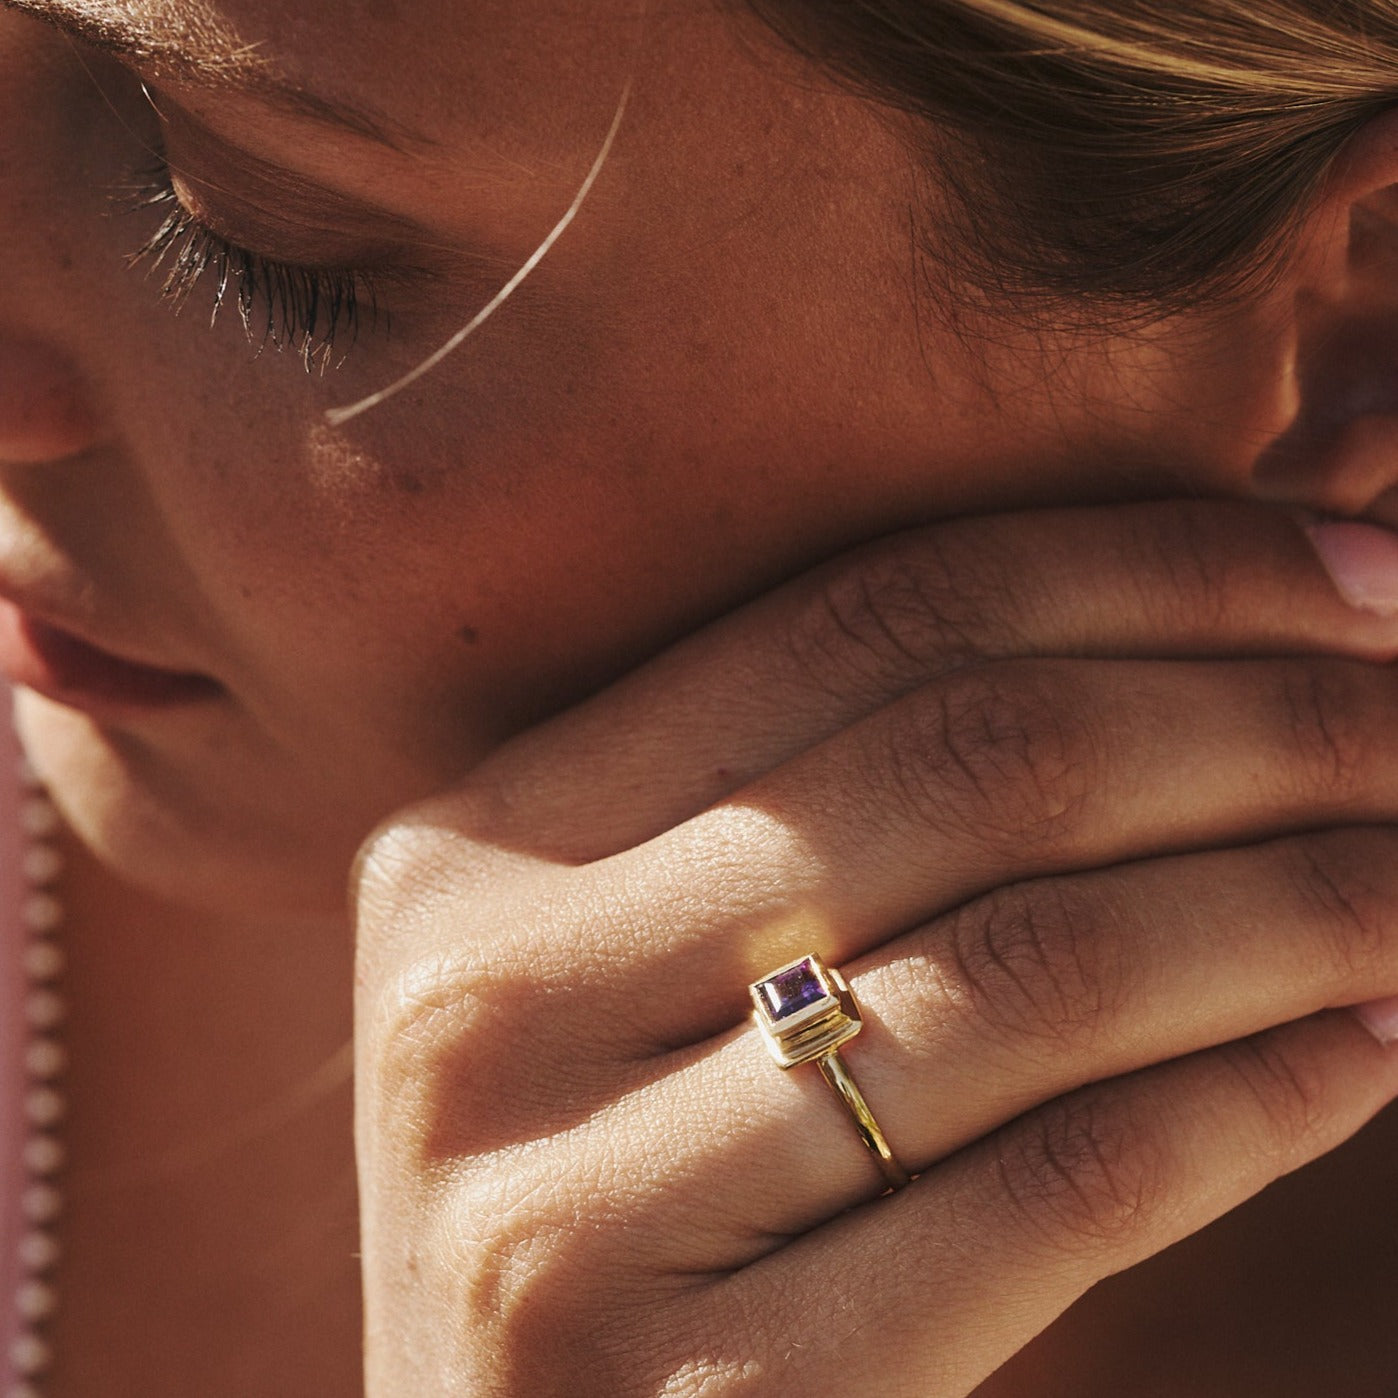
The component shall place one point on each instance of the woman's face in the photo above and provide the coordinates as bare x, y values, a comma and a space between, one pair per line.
726, 369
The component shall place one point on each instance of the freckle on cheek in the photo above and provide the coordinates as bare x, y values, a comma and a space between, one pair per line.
469, 634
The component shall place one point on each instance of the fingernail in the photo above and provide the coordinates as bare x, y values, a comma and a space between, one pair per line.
1380, 1018
1362, 559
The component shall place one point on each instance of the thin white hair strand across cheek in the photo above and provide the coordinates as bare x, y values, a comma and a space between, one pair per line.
336, 417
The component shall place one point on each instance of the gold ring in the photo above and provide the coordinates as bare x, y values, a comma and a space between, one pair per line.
805, 1011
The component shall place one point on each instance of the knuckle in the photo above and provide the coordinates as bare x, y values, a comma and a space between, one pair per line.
1323, 721
496, 1262
997, 753
1029, 961
467, 1052
1288, 1090
406, 865
1336, 876
427, 1021
541, 1268
1084, 1172
880, 619
1180, 560
502, 1239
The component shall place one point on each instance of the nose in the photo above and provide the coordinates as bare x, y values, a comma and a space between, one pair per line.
46, 411
48, 407
1340, 453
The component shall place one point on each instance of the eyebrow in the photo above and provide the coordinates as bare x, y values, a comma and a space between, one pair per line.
198, 53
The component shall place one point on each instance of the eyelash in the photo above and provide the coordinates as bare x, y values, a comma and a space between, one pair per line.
316, 312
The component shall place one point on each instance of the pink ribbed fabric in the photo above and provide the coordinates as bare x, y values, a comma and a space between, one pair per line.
13, 1030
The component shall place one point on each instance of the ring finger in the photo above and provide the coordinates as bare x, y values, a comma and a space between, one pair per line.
1009, 1002
1013, 771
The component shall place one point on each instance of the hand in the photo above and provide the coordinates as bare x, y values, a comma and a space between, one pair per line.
1097, 892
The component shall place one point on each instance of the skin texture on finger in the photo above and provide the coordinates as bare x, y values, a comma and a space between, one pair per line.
991, 775
538, 1170
923, 1294
1006, 1003
752, 690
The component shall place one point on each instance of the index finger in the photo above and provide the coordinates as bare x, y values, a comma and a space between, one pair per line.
1158, 580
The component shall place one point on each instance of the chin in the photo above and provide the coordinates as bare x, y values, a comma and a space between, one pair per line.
159, 825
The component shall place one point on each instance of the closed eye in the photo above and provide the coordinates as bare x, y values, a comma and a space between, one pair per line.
316, 312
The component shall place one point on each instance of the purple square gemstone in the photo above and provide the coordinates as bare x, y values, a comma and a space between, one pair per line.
792, 990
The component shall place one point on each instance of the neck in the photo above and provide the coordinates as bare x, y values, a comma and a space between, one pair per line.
212, 1210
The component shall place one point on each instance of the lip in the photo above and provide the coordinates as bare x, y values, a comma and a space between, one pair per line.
72, 671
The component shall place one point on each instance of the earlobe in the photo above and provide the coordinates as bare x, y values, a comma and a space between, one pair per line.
1340, 453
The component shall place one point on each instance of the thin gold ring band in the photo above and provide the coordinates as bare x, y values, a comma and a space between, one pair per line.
833, 1070
805, 1010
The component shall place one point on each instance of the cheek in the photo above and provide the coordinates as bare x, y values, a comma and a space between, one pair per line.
500, 541
393, 587
587, 479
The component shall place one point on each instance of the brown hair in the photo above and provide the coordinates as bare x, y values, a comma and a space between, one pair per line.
1141, 153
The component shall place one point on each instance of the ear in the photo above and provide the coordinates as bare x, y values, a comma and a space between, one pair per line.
1339, 452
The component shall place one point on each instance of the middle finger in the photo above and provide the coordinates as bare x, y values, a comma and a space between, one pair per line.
1011, 1001
1010, 771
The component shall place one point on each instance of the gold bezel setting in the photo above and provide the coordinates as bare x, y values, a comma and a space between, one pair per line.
804, 1010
